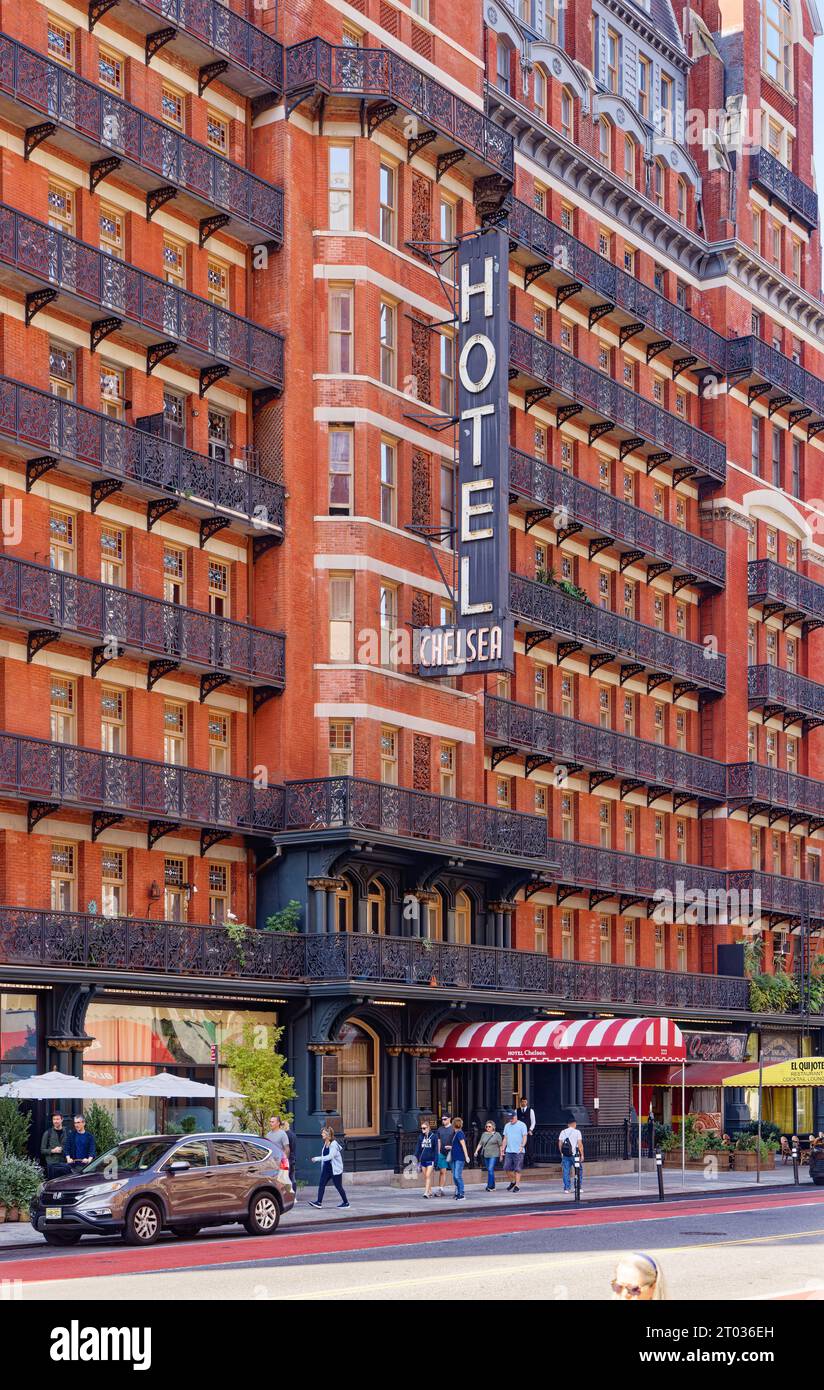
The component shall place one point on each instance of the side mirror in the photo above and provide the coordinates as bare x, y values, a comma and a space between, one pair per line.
179, 1166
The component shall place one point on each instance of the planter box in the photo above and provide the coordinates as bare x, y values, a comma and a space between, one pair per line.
744, 1162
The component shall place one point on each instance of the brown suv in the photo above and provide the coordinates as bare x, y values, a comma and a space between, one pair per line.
167, 1182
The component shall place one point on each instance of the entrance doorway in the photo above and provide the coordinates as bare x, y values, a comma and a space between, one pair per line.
447, 1092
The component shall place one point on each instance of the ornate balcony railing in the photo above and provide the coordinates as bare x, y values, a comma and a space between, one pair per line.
29, 936
779, 588
562, 252
571, 742
751, 356
624, 639
210, 29
781, 183
610, 516
56, 430
755, 784
54, 604
89, 113
59, 774
778, 895
115, 291
316, 65
624, 409
775, 690
631, 875
331, 803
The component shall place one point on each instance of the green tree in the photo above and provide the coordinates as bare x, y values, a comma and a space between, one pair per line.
257, 1071
100, 1123
14, 1128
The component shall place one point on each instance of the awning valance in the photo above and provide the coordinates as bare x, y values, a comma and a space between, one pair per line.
798, 1071
622, 1040
703, 1074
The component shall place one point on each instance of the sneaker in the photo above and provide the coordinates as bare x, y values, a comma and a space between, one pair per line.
315, 1204
511, 1185
427, 1195
459, 1198
344, 1204
516, 1189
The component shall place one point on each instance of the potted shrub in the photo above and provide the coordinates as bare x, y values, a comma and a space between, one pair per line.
743, 1154
20, 1181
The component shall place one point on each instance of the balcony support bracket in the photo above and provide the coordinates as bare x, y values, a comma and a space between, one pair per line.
597, 779
683, 364
796, 818
680, 799
566, 412
680, 475
536, 394
500, 754
447, 161
210, 526
162, 666
655, 793
159, 828
37, 811
261, 695
626, 901
101, 169
38, 468
160, 507
534, 272
36, 134
565, 649
210, 225
796, 416
628, 446
656, 460
598, 660
654, 679
103, 489
600, 427
209, 73
37, 300
774, 815
157, 197
97, 9
377, 114
597, 544
566, 531
535, 760
629, 557
211, 837
158, 40
157, 353
815, 428
262, 398
213, 681
598, 896
598, 312
776, 403
628, 670
658, 567
629, 784
681, 581
629, 330
680, 688
759, 389
416, 143
809, 624
565, 292
101, 655
102, 328
261, 545
210, 375
655, 349
533, 639
562, 893
536, 515
39, 638
103, 820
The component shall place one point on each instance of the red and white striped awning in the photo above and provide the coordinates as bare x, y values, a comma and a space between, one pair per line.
624, 1040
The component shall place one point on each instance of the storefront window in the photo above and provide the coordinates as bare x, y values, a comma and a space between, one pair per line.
18, 1036
350, 1081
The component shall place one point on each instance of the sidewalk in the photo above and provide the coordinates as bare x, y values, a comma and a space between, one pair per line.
380, 1202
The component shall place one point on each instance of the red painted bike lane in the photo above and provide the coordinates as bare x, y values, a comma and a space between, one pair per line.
337, 1239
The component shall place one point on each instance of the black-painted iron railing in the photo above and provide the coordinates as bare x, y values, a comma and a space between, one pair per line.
752, 356
772, 685
767, 580
230, 35
774, 786
783, 184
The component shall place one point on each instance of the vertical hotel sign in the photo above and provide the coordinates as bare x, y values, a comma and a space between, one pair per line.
482, 636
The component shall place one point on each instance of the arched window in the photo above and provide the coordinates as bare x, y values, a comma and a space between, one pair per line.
629, 159
539, 90
344, 903
376, 908
503, 65
463, 920
350, 1079
432, 918
658, 182
567, 114
604, 140
682, 202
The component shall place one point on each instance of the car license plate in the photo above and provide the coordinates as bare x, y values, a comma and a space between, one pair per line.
53, 1213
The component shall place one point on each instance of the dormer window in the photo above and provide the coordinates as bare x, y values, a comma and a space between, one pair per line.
776, 42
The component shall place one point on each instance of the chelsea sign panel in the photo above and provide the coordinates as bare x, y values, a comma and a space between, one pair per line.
482, 638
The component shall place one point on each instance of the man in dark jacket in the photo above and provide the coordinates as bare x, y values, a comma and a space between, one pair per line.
80, 1146
293, 1153
53, 1147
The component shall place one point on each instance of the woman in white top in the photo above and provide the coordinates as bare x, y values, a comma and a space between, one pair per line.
331, 1167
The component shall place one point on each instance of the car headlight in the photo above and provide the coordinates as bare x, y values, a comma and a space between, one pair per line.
102, 1189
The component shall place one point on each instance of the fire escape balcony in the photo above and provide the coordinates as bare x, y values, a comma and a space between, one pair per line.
49, 432
338, 807
781, 184
782, 383
778, 590
602, 520
785, 798
570, 268
388, 88
604, 407
209, 35
549, 739
80, 116
55, 606
114, 788
46, 265
545, 613
783, 694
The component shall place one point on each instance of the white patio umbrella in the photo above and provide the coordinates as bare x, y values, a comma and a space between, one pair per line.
54, 1085
166, 1085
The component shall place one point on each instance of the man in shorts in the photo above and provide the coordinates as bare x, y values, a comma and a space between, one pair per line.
445, 1133
515, 1133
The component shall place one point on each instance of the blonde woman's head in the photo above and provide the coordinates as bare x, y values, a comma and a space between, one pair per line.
638, 1279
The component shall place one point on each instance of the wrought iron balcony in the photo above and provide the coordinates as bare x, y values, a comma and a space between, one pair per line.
53, 605
48, 431
617, 410
75, 940
768, 370
109, 292
449, 126
546, 737
778, 692
573, 268
780, 590
781, 898
544, 609
353, 804
780, 182
115, 787
767, 789
601, 517
80, 115
610, 873
209, 34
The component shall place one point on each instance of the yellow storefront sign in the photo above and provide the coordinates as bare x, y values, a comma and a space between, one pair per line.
799, 1071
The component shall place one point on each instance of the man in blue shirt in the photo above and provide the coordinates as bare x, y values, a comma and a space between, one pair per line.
80, 1146
515, 1133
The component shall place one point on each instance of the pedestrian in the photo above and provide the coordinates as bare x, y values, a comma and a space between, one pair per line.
445, 1133
426, 1154
460, 1157
570, 1143
292, 1140
278, 1137
526, 1115
638, 1278
53, 1147
80, 1146
489, 1147
331, 1167
515, 1133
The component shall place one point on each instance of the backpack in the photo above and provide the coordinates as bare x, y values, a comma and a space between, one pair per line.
566, 1147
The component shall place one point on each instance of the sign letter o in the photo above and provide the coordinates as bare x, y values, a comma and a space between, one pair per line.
477, 340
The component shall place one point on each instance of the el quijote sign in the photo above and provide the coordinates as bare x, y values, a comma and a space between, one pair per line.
482, 637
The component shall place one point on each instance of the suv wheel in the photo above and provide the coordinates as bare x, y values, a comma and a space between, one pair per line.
61, 1237
143, 1222
264, 1215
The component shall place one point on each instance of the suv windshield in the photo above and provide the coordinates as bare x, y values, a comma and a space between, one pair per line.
133, 1156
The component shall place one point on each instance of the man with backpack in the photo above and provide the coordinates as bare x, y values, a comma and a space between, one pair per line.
570, 1143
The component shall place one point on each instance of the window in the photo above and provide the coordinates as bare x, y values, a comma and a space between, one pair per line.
539, 685
567, 937
681, 841
174, 734
113, 882
340, 471
604, 826
681, 295
603, 589
681, 731
567, 458
219, 592
567, 217
660, 724
388, 176
604, 140
614, 55
667, 106
752, 744
540, 806
447, 768
376, 908
772, 649
629, 260
629, 159
448, 221
219, 880
217, 280
660, 841
111, 232
174, 262
388, 325
567, 115
791, 655
567, 819
660, 947
629, 599
539, 443
567, 697
112, 555
796, 466
604, 707
389, 495
60, 42
447, 373
174, 417
771, 754
63, 881
174, 895
217, 132
341, 328
539, 91
61, 206
681, 202
447, 501
539, 317
539, 195
776, 457
351, 38
795, 268
792, 755
756, 235
62, 708
539, 923
776, 42
658, 182
604, 940
772, 543
566, 336
112, 720
752, 645
644, 83
172, 106
502, 66
629, 715
219, 442
112, 390
61, 541
503, 792
629, 831
389, 755
629, 943
792, 554
174, 574
755, 446
340, 748
340, 187
388, 613
341, 617
349, 1085
681, 950
62, 371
